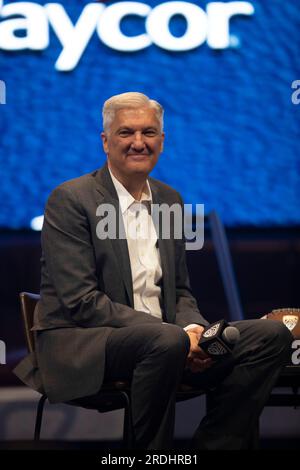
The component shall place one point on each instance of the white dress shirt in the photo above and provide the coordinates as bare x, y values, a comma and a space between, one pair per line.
142, 247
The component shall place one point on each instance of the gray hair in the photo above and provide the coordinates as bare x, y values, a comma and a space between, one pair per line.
127, 101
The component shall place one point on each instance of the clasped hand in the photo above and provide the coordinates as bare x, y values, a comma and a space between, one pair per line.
197, 360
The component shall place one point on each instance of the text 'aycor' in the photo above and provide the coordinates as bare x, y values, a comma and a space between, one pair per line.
211, 25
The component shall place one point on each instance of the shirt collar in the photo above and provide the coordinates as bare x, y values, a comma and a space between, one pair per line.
125, 198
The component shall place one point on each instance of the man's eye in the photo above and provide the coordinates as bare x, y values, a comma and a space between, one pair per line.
124, 133
150, 133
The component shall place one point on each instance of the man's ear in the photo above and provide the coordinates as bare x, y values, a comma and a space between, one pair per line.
162, 141
104, 142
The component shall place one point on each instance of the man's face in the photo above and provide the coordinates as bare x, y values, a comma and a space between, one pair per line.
133, 143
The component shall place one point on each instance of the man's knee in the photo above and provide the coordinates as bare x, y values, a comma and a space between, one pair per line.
262, 330
269, 336
172, 341
278, 332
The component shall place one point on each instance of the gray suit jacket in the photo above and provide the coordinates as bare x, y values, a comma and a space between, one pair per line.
86, 288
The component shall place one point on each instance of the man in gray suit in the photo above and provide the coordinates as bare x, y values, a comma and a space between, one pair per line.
120, 307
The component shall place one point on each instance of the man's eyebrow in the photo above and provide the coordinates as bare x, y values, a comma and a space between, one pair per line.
127, 128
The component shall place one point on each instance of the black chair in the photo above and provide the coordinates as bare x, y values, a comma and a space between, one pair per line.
112, 396
290, 376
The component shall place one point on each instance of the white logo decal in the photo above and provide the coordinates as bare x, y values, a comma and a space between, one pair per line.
290, 321
211, 25
217, 349
212, 331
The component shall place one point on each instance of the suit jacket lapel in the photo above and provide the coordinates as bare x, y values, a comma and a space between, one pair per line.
106, 187
166, 254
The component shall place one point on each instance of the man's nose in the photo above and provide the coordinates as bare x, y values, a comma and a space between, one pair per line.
138, 141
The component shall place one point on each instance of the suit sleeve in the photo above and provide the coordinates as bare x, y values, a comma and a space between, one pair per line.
70, 261
187, 311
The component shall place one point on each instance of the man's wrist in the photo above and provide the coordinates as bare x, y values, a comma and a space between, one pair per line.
192, 325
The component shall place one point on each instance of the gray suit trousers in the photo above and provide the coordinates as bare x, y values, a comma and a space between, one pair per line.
153, 357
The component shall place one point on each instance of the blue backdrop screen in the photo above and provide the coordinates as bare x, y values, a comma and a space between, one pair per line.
232, 129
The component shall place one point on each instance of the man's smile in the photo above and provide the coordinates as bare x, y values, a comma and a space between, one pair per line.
138, 156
